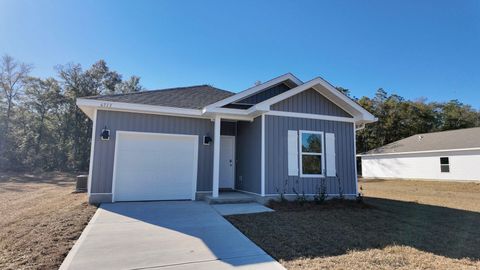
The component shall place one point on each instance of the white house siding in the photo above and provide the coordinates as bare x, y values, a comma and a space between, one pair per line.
464, 166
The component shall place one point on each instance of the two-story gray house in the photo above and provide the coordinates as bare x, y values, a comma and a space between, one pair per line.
188, 142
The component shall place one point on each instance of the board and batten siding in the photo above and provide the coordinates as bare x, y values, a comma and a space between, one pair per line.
125, 121
463, 166
310, 101
276, 156
248, 155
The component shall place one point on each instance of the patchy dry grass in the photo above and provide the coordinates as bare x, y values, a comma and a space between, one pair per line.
464, 196
414, 225
40, 219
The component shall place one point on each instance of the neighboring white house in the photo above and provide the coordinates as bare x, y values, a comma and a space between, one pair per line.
447, 155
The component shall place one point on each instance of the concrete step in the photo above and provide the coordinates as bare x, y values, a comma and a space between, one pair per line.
230, 197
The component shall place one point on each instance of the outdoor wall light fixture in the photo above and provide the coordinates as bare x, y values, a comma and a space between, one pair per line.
207, 140
105, 135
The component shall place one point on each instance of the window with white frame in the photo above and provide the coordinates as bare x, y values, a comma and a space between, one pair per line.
311, 153
444, 165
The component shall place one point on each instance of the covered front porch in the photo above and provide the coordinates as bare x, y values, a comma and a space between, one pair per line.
236, 176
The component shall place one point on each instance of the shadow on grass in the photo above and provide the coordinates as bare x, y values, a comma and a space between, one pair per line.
54, 178
331, 231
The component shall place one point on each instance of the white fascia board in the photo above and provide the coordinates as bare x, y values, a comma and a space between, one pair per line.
253, 90
312, 116
420, 152
227, 111
88, 105
231, 117
359, 113
85, 104
366, 115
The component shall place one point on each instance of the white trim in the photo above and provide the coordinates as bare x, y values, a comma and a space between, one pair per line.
252, 90
330, 155
227, 111
262, 166
216, 156
114, 175
195, 157
92, 152
312, 116
135, 107
301, 153
292, 152
230, 114
355, 109
421, 152
86, 105
355, 157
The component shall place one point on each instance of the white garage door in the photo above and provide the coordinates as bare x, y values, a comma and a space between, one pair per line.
153, 166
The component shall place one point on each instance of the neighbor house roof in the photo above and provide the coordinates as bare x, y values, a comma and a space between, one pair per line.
459, 139
191, 97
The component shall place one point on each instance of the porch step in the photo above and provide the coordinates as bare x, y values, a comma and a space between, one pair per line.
230, 197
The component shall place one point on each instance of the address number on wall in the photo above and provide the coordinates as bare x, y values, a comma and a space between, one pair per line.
106, 105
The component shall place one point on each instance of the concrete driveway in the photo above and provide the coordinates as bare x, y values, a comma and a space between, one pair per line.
164, 235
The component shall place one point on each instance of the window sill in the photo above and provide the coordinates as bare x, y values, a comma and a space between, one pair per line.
312, 176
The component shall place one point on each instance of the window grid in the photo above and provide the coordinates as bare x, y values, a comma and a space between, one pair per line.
306, 153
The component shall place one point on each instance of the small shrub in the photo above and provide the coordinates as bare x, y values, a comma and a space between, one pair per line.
300, 198
321, 195
341, 196
283, 191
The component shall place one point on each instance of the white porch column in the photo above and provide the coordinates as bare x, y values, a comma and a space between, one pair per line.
216, 156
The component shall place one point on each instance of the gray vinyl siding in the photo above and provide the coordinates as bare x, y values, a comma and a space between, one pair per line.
248, 153
104, 150
310, 101
265, 94
228, 128
276, 155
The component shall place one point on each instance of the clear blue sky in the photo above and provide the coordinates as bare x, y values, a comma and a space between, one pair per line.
427, 48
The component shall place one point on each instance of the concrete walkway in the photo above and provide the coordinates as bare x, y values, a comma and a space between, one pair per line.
164, 235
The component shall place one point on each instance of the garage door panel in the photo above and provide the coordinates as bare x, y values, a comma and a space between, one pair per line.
155, 167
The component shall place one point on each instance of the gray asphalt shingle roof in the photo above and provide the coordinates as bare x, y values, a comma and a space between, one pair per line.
191, 97
444, 140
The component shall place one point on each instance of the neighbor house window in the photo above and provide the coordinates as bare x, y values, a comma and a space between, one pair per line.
444, 164
311, 153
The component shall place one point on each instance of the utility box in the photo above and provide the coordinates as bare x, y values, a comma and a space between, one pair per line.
82, 183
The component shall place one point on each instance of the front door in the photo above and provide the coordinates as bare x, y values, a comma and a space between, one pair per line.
227, 162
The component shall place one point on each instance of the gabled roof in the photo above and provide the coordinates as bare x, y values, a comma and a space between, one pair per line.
459, 139
330, 92
207, 102
191, 97
289, 78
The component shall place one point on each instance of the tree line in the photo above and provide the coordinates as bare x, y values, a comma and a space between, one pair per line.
399, 118
41, 128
